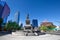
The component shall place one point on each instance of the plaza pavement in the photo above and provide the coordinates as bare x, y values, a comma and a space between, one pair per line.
18, 36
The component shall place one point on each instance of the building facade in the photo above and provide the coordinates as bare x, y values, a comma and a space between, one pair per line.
34, 23
4, 11
17, 17
46, 23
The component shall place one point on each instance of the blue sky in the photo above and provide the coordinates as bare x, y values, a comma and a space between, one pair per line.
37, 9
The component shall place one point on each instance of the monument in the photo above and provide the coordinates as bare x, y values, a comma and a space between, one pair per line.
27, 27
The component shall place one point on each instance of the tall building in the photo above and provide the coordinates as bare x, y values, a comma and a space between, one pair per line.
17, 17
4, 11
34, 23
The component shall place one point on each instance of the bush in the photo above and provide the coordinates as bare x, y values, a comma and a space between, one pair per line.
47, 28
44, 28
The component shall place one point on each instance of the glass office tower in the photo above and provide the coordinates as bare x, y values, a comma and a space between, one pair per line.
4, 11
17, 17
34, 23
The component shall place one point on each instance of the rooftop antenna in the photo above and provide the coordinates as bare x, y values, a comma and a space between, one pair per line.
27, 11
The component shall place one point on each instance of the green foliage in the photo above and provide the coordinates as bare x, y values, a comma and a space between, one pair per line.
12, 26
44, 28
49, 28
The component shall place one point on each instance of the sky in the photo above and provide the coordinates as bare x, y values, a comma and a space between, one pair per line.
38, 9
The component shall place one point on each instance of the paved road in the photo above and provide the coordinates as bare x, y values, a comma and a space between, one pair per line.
41, 37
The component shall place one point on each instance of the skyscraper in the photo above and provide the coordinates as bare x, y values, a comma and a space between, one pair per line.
4, 11
34, 23
17, 17
35, 26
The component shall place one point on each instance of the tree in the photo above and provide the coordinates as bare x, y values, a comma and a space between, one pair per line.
12, 26
8, 26
51, 27
44, 28
47, 28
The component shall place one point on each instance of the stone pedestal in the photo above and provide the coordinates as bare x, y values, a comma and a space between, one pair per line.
28, 28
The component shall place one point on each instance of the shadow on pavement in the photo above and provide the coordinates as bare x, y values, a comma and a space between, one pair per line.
2, 33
